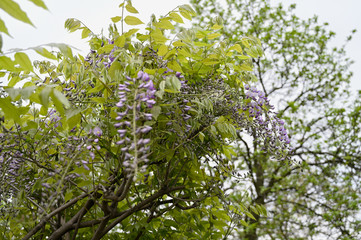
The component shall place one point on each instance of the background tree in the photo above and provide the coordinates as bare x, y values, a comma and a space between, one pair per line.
132, 141
309, 82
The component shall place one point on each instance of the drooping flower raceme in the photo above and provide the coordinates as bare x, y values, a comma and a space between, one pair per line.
136, 98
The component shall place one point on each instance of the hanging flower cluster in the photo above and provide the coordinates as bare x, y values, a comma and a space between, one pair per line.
136, 98
105, 58
256, 107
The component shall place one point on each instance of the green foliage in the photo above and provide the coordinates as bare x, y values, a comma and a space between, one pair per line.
134, 140
309, 82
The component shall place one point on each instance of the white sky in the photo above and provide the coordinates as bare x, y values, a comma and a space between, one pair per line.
343, 16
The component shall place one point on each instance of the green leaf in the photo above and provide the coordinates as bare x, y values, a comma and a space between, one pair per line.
6, 63
68, 195
45, 53
24, 61
216, 27
201, 136
14, 80
27, 91
254, 210
74, 120
85, 33
250, 215
9, 109
213, 35
13, 93
131, 9
244, 223
116, 19
64, 49
243, 57
156, 110
39, 3
72, 24
44, 96
187, 8
185, 14
246, 67
236, 47
3, 29
176, 17
130, 20
165, 24
14, 10
131, 32
174, 65
61, 97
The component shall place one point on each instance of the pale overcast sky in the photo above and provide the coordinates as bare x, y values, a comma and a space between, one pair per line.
343, 16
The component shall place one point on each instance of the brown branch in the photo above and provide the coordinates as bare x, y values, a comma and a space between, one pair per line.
137, 208
53, 213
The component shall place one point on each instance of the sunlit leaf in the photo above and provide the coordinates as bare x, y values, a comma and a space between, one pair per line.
24, 61
3, 28
116, 19
131, 9
176, 17
14, 10
39, 3
45, 53
130, 20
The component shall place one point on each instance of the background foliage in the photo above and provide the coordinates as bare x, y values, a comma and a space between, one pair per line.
170, 132
135, 140
309, 82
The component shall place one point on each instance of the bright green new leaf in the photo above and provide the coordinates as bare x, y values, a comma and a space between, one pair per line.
74, 120
178, 43
162, 50
61, 98
14, 80
130, 20
165, 24
116, 19
187, 8
44, 96
243, 57
39, 3
6, 63
131, 9
14, 10
174, 65
185, 14
45, 53
24, 61
65, 49
201, 137
244, 223
236, 47
27, 91
9, 109
245, 67
213, 35
216, 27
85, 33
72, 24
250, 215
3, 28
131, 32
176, 17
156, 110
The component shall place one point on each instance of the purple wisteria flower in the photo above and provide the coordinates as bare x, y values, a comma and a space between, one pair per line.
97, 131
134, 110
259, 108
